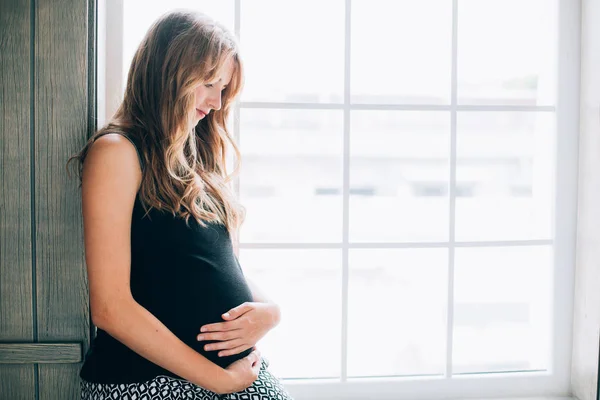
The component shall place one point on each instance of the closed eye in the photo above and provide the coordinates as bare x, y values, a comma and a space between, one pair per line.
210, 85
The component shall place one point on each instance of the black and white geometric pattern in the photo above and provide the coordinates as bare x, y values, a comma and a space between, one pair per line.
266, 387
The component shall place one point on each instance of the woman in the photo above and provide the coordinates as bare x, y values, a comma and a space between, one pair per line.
176, 317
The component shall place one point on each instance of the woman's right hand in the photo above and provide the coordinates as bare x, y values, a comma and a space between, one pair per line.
244, 372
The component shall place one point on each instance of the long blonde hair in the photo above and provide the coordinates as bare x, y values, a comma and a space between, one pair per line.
184, 165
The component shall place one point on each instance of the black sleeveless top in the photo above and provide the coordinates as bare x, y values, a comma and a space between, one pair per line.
186, 276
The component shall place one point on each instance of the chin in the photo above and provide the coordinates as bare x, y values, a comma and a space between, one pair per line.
193, 122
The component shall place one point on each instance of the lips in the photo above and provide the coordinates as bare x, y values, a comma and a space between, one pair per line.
201, 113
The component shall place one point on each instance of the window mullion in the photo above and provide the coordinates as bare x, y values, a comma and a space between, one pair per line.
346, 193
452, 190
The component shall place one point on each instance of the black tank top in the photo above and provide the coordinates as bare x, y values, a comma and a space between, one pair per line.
186, 276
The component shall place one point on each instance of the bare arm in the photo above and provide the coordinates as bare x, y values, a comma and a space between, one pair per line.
111, 177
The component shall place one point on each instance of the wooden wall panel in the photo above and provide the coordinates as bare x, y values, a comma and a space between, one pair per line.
61, 129
17, 382
40, 353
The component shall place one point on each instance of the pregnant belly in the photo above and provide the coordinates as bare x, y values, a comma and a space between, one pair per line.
192, 303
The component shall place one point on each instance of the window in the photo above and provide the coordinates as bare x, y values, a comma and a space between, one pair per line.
408, 170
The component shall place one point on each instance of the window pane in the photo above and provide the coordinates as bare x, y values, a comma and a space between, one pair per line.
291, 178
139, 15
397, 312
505, 175
293, 51
307, 286
401, 51
506, 52
399, 176
502, 309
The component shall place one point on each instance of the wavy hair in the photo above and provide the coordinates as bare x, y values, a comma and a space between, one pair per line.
184, 164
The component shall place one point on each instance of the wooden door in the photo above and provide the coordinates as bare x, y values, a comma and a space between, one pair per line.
47, 73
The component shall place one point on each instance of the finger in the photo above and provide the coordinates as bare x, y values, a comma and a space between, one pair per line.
258, 357
236, 350
219, 327
236, 312
226, 345
254, 356
256, 369
227, 335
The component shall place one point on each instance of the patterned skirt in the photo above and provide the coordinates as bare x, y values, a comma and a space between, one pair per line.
266, 387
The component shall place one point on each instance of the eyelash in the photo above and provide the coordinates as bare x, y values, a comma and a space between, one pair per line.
209, 85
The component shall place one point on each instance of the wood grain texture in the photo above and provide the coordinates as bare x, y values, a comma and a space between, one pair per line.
61, 128
59, 381
43, 353
16, 314
16, 382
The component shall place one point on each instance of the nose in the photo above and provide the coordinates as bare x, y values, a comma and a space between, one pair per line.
215, 102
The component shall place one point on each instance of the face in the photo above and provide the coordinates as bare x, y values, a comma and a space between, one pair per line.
208, 95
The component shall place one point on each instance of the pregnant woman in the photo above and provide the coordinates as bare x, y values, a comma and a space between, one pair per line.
176, 317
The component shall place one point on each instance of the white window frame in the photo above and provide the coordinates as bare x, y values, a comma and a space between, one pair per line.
553, 383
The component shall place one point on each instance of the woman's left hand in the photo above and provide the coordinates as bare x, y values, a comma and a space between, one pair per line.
244, 326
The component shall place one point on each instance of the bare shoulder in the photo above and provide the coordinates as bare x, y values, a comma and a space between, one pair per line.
111, 169
110, 181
